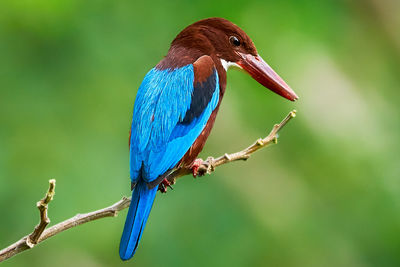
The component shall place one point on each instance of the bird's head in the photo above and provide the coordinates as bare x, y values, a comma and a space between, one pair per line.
224, 40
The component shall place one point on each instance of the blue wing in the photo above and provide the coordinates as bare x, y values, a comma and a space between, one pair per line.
171, 109
170, 112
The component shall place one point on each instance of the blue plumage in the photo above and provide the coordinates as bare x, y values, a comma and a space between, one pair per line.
139, 210
170, 112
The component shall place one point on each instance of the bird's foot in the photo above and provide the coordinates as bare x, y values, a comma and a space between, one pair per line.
163, 186
195, 167
200, 167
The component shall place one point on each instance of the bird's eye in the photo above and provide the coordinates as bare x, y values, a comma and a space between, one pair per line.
234, 41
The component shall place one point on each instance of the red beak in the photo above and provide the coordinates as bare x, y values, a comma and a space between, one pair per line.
265, 75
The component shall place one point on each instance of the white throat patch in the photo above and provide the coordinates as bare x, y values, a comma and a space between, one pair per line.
228, 64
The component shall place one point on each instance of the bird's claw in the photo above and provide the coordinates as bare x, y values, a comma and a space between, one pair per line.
163, 186
195, 167
201, 167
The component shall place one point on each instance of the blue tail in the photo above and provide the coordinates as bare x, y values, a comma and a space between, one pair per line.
139, 210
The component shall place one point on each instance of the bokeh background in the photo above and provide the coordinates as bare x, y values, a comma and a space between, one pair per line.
327, 195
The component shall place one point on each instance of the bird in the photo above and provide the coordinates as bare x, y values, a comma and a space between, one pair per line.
176, 106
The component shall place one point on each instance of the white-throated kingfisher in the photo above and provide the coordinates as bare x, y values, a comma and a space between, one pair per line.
176, 106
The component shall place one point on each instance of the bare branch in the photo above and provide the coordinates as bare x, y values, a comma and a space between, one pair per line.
210, 164
40, 233
23, 244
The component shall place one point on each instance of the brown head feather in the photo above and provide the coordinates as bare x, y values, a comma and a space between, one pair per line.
207, 37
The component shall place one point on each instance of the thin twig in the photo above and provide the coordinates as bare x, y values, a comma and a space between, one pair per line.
42, 205
210, 164
78, 219
40, 233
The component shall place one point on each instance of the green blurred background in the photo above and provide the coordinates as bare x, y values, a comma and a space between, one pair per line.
327, 195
